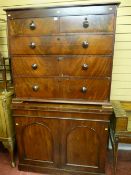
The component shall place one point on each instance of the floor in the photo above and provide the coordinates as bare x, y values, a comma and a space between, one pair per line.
123, 168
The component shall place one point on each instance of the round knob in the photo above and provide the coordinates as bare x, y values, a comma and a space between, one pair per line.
32, 26
35, 88
85, 66
84, 89
34, 66
85, 44
85, 24
32, 45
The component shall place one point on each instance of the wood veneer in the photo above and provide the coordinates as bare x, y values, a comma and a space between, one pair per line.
61, 60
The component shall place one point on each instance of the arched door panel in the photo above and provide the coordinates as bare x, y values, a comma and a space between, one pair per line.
83, 145
38, 141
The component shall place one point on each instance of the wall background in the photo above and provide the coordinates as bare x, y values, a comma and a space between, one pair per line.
121, 79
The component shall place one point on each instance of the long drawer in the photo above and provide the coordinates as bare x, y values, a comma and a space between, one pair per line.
60, 44
53, 25
62, 88
58, 65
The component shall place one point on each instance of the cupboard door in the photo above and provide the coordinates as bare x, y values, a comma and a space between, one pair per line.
38, 141
83, 145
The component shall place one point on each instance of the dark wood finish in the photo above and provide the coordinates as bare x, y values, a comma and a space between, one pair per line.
42, 26
96, 23
62, 88
19, 13
87, 35
58, 131
45, 151
81, 65
98, 44
61, 59
46, 66
84, 155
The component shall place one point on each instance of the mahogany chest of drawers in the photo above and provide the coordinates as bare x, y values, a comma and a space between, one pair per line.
61, 60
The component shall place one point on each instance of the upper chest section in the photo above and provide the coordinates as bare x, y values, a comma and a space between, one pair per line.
48, 21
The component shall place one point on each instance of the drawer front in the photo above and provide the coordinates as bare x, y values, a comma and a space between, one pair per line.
88, 89
71, 44
89, 23
34, 26
50, 25
47, 88
77, 65
35, 66
83, 65
36, 88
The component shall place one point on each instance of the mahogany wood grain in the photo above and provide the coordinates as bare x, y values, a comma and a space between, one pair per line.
63, 135
63, 88
61, 59
52, 25
45, 151
83, 156
69, 44
41, 26
61, 11
62, 65
96, 23
45, 66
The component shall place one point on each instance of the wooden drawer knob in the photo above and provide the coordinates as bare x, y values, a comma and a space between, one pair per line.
84, 89
85, 44
85, 66
34, 66
86, 23
32, 45
35, 88
32, 25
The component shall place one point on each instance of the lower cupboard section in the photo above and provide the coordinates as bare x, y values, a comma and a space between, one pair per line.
67, 146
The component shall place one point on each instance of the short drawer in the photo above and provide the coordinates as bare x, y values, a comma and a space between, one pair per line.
70, 44
89, 23
34, 26
62, 65
63, 88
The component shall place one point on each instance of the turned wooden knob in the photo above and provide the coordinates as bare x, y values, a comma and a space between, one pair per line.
85, 44
32, 45
84, 89
85, 66
86, 23
32, 25
34, 66
35, 88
